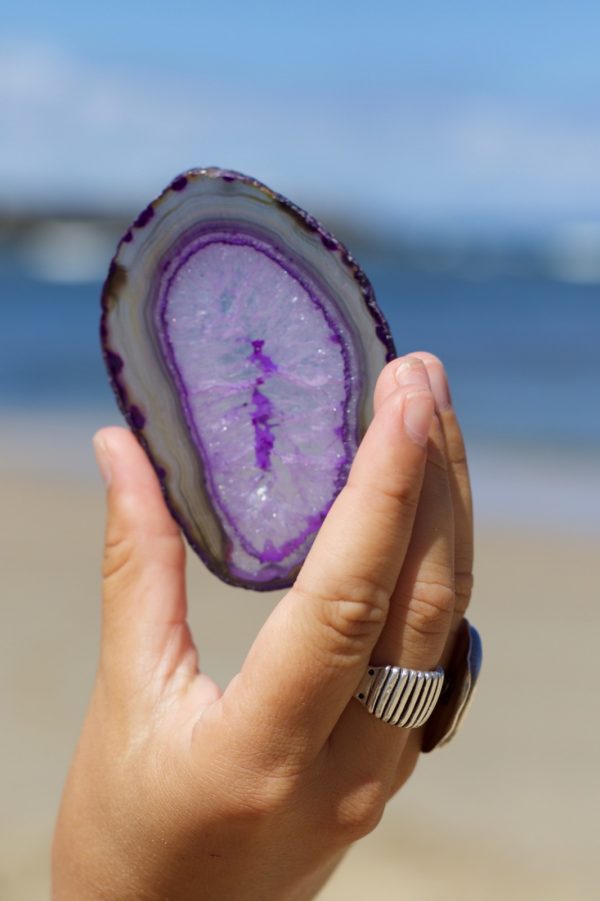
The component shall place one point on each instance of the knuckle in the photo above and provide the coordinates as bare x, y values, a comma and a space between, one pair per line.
436, 459
430, 608
262, 800
357, 813
259, 796
348, 621
403, 494
128, 552
455, 445
351, 619
385, 498
463, 590
457, 454
118, 555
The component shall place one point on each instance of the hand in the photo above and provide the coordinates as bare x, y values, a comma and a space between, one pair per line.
179, 791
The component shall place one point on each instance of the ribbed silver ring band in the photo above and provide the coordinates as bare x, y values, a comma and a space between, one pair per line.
400, 696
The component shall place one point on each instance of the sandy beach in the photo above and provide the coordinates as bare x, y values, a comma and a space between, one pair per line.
510, 810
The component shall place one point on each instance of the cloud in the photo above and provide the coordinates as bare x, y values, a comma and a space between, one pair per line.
79, 134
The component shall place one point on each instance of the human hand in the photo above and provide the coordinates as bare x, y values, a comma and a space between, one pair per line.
179, 791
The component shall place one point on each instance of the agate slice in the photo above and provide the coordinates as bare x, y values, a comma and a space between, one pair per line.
243, 343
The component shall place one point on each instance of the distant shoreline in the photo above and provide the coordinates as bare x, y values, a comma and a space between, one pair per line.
455, 249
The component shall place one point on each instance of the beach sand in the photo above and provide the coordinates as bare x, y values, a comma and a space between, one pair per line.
508, 811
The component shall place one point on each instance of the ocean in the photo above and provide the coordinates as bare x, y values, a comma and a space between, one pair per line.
521, 349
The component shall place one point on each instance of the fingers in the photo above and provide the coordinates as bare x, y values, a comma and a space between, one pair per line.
460, 485
309, 657
422, 603
458, 473
144, 632
420, 614
439, 528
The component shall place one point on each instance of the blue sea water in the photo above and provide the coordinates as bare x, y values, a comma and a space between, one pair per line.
522, 351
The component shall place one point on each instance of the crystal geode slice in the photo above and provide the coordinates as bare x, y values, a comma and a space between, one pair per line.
243, 343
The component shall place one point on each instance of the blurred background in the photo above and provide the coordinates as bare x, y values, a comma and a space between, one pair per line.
454, 148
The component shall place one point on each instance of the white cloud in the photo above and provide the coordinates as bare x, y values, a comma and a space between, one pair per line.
79, 134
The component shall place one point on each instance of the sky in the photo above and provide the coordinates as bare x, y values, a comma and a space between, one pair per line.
442, 115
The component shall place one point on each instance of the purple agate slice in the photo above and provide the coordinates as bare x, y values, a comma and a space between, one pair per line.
243, 344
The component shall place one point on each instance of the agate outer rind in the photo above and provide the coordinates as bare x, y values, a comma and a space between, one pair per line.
197, 308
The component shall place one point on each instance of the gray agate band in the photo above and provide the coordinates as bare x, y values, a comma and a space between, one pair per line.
400, 696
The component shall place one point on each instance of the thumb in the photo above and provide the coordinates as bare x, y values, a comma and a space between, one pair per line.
144, 629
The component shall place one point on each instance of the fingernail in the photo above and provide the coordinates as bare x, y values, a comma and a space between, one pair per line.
102, 459
412, 372
418, 416
439, 386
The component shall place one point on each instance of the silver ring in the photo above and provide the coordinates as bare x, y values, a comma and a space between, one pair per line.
400, 696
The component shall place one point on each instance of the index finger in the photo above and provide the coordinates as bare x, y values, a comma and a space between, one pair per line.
309, 657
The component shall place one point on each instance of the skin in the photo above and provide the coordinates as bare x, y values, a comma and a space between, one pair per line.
180, 791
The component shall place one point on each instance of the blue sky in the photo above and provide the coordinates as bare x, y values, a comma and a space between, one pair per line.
428, 114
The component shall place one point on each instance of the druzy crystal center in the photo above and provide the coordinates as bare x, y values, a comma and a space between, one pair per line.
248, 333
